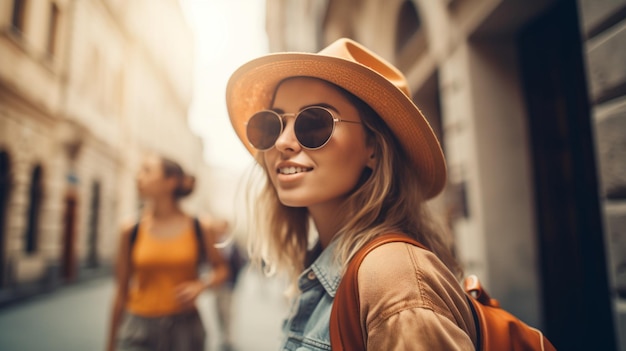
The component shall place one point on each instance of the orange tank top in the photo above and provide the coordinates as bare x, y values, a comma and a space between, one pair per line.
159, 266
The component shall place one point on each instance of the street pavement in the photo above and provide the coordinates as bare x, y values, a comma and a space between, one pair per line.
75, 318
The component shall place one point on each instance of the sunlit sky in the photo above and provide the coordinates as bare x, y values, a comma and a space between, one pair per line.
227, 34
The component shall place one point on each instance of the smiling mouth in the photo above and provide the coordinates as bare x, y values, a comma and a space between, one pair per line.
293, 170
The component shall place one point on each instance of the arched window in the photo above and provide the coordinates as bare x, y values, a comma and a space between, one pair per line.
34, 209
408, 24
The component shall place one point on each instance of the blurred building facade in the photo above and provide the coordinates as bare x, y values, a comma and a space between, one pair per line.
529, 100
85, 88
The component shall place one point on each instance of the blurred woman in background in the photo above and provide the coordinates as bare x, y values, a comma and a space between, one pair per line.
157, 267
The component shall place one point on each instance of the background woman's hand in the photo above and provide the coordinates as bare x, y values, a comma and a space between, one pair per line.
186, 293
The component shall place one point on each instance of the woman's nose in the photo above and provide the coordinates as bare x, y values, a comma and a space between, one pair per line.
287, 141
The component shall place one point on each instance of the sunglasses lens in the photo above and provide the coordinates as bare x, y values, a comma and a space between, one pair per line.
313, 127
263, 129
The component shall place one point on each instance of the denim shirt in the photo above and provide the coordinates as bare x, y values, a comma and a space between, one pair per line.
307, 327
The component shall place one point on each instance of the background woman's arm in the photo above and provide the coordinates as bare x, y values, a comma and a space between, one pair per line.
211, 230
122, 276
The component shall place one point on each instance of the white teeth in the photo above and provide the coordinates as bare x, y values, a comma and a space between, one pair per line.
292, 170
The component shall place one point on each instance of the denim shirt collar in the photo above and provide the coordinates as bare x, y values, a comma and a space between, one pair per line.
326, 269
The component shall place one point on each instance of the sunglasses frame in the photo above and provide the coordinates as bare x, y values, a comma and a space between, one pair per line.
281, 118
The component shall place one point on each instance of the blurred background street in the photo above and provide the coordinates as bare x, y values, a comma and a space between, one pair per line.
76, 317
527, 97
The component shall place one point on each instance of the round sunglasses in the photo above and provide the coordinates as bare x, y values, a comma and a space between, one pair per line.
313, 127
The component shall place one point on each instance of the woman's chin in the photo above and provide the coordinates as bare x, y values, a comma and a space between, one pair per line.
294, 202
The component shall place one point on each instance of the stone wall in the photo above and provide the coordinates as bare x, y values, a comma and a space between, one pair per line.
603, 24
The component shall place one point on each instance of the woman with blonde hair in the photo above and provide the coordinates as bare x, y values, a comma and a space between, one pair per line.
157, 267
348, 158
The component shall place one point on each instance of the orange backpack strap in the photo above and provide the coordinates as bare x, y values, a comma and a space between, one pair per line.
345, 316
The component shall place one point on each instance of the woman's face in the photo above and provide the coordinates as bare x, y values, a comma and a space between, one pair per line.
326, 175
151, 181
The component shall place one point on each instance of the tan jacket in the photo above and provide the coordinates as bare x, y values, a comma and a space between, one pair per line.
411, 301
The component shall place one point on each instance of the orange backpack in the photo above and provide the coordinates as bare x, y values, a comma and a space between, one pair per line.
497, 329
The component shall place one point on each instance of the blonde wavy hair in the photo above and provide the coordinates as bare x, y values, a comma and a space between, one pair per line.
387, 199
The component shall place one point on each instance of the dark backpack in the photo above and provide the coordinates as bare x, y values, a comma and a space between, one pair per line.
236, 261
496, 328
197, 232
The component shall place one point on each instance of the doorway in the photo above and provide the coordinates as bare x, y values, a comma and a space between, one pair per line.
575, 290
94, 222
5, 193
68, 270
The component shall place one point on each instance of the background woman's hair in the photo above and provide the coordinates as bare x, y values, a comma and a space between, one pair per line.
387, 199
186, 183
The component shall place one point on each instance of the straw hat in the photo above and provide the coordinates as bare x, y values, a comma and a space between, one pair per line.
353, 67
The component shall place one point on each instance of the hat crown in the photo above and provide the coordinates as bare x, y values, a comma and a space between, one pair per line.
350, 50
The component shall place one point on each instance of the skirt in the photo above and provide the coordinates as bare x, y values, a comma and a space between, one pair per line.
178, 332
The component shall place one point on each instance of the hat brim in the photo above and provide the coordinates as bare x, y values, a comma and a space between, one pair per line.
251, 88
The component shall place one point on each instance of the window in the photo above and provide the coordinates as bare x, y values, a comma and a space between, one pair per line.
92, 78
408, 24
18, 19
5, 194
53, 28
118, 93
35, 197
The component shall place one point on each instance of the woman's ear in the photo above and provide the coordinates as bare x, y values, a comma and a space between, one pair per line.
370, 150
371, 163
172, 183
371, 160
